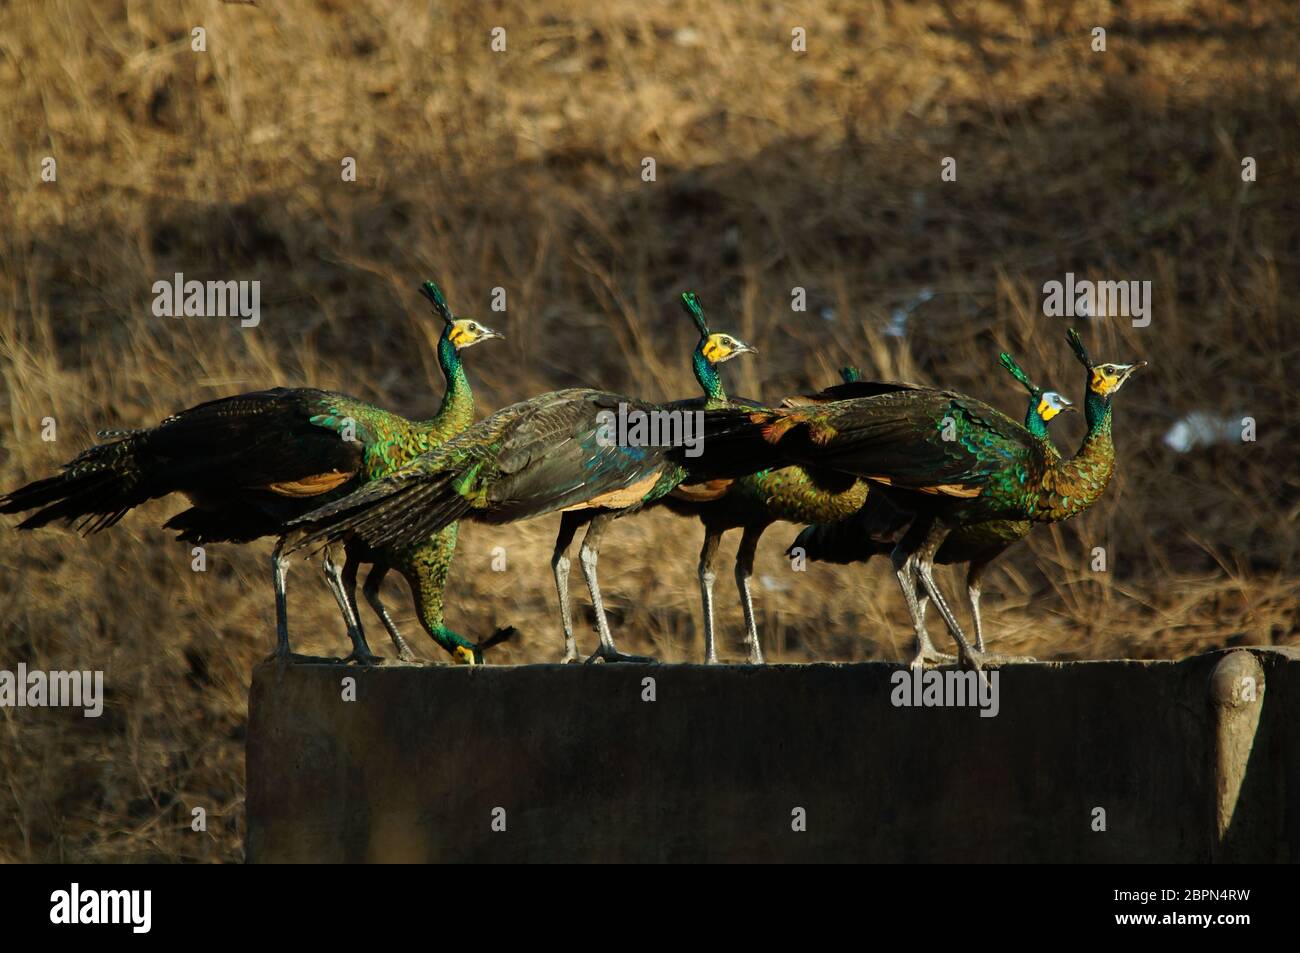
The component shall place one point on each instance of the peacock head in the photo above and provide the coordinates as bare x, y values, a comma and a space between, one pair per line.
459, 332
1046, 404
466, 332
715, 347
1051, 403
1104, 380
721, 347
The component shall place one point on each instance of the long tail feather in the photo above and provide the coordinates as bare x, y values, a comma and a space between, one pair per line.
94, 490
243, 441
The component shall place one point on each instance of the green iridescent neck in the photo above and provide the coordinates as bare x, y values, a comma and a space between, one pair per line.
1034, 421
458, 400
1097, 451
1037, 428
707, 374
1070, 487
1097, 411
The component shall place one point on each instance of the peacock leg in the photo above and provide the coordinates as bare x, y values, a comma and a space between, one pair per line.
904, 560
588, 555
569, 523
372, 593
973, 573
281, 602
278, 572
923, 558
973, 576
343, 583
744, 570
929, 651
708, 554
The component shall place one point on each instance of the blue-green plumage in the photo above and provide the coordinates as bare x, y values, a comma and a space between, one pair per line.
250, 463
947, 458
880, 525
539, 456
750, 503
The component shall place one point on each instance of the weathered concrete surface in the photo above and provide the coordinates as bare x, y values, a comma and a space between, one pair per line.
1185, 765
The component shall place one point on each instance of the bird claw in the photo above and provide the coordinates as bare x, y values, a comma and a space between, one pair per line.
993, 658
928, 655
604, 654
404, 652
977, 660
363, 658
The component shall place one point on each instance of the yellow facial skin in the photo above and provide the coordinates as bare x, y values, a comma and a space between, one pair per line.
1052, 404
720, 347
1108, 378
466, 332
464, 655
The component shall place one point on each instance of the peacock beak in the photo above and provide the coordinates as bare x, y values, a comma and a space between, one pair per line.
489, 333
1125, 371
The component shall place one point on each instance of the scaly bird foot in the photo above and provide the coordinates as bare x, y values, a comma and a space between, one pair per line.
978, 660
404, 652
604, 654
993, 658
929, 655
363, 658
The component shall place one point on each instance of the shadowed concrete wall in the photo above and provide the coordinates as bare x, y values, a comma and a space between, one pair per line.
1187, 764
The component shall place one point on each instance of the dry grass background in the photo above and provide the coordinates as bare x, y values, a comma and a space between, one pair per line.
521, 170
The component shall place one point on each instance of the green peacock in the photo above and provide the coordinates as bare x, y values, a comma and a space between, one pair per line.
555, 452
947, 458
877, 527
751, 503
251, 462
713, 350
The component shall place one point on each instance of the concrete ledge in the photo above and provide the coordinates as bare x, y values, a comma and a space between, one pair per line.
1190, 761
